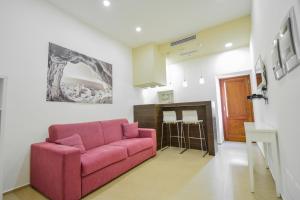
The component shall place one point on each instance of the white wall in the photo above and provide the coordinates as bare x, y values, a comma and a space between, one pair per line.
26, 28
229, 62
2, 127
283, 110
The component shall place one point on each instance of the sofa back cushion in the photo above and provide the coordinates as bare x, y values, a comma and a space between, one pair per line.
112, 130
90, 132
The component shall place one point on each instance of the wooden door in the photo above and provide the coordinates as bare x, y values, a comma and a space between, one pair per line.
236, 109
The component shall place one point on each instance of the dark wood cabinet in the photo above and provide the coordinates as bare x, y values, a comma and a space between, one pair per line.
150, 116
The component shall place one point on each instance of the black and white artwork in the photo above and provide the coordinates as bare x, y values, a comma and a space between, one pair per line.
279, 71
289, 44
74, 77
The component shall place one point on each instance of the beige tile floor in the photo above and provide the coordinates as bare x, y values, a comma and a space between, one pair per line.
171, 176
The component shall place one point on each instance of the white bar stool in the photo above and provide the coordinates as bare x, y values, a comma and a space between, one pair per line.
191, 117
169, 118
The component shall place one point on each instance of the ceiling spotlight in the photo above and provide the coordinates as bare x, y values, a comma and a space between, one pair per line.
228, 45
106, 3
138, 29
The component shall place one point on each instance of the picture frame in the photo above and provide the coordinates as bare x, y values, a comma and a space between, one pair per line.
77, 78
278, 69
288, 42
165, 97
261, 74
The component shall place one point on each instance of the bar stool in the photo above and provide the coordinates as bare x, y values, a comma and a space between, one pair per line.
169, 118
191, 117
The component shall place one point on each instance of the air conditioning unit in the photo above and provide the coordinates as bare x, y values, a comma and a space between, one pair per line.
182, 41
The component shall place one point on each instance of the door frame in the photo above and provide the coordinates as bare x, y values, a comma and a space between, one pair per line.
221, 137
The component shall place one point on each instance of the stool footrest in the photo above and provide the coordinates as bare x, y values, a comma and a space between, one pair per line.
197, 138
177, 136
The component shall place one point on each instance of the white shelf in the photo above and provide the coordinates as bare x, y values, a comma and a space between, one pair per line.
261, 133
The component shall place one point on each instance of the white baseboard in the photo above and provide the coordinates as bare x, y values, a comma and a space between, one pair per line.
16, 188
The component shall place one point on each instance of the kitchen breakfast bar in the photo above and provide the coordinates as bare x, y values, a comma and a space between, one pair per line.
151, 116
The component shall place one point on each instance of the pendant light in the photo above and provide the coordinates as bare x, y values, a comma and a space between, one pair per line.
201, 80
184, 83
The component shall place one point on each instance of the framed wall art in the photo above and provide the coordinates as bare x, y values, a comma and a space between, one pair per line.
261, 74
166, 96
278, 69
289, 44
75, 77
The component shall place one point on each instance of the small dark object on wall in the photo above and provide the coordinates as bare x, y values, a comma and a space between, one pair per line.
258, 96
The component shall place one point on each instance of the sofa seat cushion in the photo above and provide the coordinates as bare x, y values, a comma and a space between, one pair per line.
134, 145
101, 157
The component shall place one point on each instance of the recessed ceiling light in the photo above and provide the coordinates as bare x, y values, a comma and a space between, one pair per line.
228, 45
106, 3
138, 29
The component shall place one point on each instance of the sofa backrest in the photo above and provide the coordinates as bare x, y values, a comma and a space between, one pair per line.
91, 133
112, 130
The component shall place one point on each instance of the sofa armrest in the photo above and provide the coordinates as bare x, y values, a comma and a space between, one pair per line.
55, 170
149, 133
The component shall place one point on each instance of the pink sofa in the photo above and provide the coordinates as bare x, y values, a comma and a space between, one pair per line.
62, 173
